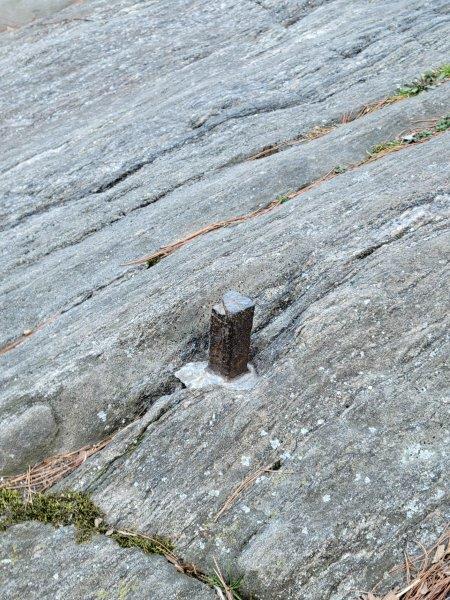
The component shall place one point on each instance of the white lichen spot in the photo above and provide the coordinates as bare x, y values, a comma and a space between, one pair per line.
245, 461
417, 452
275, 443
358, 477
183, 496
326, 498
214, 493
438, 495
320, 422
411, 508
245, 509
305, 530
263, 433
285, 456
366, 479
102, 416
304, 430
221, 546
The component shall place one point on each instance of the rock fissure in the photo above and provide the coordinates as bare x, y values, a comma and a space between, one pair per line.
131, 446
77, 509
127, 132
376, 154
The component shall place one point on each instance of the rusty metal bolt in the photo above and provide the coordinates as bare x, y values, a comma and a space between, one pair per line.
230, 330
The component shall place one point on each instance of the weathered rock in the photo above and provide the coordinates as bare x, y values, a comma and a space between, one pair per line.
37, 561
14, 13
127, 127
350, 398
26, 434
110, 336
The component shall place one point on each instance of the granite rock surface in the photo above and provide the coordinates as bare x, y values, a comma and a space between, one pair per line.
126, 126
58, 568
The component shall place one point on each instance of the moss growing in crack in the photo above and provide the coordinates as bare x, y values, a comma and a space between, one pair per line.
66, 508
283, 199
425, 81
385, 147
77, 509
151, 262
443, 124
148, 545
419, 136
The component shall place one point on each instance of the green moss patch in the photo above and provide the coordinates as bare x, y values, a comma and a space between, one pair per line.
77, 509
66, 508
443, 124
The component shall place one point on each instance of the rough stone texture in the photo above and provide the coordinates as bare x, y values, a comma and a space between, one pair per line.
26, 434
351, 397
37, 561
127, 127
14, 13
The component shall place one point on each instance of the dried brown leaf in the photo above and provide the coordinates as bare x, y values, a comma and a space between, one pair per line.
424, 589
440, 553
406, 589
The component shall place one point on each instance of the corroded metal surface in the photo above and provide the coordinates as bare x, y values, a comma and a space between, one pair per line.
230, 329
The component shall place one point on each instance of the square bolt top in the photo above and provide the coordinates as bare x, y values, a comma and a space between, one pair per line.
233, 303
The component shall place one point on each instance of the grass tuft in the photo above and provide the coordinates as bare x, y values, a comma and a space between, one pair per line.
413, 138
148, 545
228, 587
425, 81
